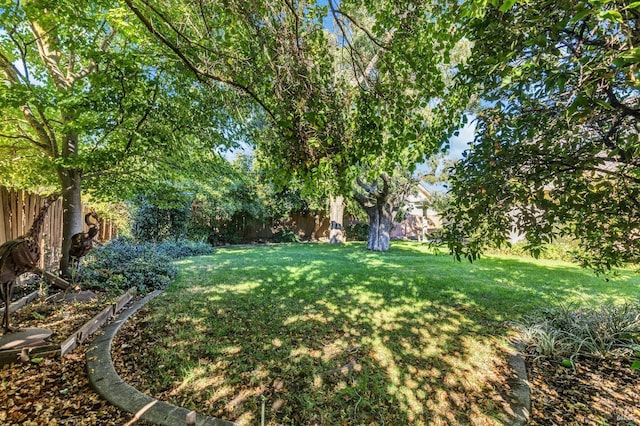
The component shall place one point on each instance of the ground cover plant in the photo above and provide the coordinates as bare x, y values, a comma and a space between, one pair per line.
335, 334
124, 263
583, 363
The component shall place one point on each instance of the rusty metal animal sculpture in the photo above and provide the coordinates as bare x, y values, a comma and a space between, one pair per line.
82, 242
19, 256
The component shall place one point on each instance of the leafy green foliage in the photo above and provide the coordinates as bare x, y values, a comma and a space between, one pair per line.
556, 150
439, 202
120, 117
242, 198
183, 248
123, 263
565, 250
285, 236
373, 91
156, 223
357, 231
81, 107
612, 330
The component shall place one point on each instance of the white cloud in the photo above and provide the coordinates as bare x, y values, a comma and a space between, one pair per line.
459, 144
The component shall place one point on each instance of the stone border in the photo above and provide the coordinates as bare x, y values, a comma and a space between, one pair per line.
108, 384
520, 390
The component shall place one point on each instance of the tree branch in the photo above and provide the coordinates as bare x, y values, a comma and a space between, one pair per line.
51, 58
10, 71
200, 74
616, 103
23, 135
369, 188
134, 134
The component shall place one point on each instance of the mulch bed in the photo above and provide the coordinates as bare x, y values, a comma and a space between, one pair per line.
593, 392
53, 390
26, 285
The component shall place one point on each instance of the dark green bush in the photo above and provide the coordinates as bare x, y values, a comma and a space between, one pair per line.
122, 264
156, 220
184, 248
285, 236
357, 231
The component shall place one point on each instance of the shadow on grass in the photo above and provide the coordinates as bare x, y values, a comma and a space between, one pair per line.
338, 335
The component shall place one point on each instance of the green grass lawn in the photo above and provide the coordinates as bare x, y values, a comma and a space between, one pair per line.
338, 335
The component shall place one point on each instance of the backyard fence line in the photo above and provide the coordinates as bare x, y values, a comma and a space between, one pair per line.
18, 208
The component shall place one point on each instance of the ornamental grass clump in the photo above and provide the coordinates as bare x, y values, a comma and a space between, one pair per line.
566, 332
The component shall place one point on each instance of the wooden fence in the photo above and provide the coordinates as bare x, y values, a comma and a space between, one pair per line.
19, 208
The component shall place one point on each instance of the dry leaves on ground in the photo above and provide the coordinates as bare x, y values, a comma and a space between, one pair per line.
54, 390
596, 392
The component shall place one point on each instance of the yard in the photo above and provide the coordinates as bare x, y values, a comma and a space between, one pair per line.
325, 334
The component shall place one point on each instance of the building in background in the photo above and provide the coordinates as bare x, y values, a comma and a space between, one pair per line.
419, 220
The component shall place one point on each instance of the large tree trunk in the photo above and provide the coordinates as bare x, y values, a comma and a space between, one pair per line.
382, 202
336, 216
380, 222
71, 181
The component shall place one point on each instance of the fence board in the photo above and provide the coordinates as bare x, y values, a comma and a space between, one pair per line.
3, 232
21, 219
9, 224
19, 208
16, 226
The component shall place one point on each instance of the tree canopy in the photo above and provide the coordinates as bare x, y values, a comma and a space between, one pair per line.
558, 138
82, 105
94, 102
371, 88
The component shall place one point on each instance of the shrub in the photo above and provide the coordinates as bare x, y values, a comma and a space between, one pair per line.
184, 248
612, 330
122, 264
154, 221
357, 231
564, 250
285, 236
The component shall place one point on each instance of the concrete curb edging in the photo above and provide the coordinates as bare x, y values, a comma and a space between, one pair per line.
108, 384
520, 390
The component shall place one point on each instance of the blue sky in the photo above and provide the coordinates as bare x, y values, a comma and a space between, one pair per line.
460, 143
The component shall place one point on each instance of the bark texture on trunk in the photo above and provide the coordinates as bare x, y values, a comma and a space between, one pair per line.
71, 213
336, 216
380, 223
381, 202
